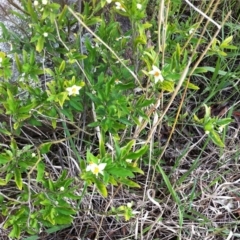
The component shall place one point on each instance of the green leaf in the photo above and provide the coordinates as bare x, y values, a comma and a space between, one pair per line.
9, 177
92, 21
143, 102
68, 113
13, 145
63, 219
112, 180
127, 148
31, 11
65, 211
135, 169
16, 125
93, 124
54, 123
18, 63
130, 183
15, 233
222, 53
91, 157
40, 171
11, 104
40, 44
61, 97
124, 86
32, 58
101, 188
5, 158
120, 172
230, 47
2, 182
5, 132
18, 178
138, 153
196, 119
75, 104
226, 41
207, 112
27, 108
62, 15
216, 138
62, 66
167, 86
224, 121
191, 86
45, 147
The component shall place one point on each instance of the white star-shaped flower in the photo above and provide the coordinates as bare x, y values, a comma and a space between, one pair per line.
96, 168
74, 90
157, 74
139, 6
119, 6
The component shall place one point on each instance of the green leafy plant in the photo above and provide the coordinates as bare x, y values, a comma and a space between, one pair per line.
96, 96
213, 125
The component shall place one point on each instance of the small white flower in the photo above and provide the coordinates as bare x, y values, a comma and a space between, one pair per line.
119, 6
221, 128
139, 6
35, 3
157, 74
96, 168
74, 90
108, 1
117, 81
45, 34
44, 2
117, 39
191, 31
207, 132
128, 160
61, 189
33, 154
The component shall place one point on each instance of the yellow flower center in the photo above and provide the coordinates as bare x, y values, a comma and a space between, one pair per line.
156, 74
96, 170
74, 90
